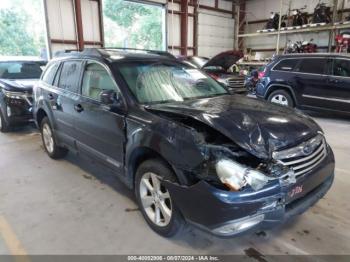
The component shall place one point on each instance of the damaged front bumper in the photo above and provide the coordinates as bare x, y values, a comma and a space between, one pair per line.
225, 213
17, 109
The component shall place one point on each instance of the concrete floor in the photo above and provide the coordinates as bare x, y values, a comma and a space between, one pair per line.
73, 206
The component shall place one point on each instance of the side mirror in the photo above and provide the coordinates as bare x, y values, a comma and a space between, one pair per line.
108, 97
111, 98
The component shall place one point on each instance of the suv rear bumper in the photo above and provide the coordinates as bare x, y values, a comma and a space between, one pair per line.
226, 214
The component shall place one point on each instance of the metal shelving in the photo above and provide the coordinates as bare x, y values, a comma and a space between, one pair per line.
331, 28
301, 30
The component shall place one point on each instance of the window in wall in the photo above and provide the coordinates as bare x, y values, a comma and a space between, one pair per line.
131, 24
22, 28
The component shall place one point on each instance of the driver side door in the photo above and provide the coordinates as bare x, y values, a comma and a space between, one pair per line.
100, 132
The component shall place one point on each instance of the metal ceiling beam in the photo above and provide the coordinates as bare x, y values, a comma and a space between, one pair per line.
79, 21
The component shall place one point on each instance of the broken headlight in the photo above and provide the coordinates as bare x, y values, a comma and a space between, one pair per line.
236, 176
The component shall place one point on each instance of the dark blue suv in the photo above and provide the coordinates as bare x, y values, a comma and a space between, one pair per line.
308, 81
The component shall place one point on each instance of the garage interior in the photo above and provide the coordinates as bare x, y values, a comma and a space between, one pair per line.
75, 206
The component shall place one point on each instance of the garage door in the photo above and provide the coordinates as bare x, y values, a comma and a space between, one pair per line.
215, 33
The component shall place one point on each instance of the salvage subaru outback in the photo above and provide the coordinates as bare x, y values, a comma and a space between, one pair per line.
191, 151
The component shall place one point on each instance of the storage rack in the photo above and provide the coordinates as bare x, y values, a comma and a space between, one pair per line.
331, 28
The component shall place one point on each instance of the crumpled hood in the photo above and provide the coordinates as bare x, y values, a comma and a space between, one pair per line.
20, 85
225, 59
257, 126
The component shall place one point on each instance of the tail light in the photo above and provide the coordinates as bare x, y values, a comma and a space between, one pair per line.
261, 74
216, 77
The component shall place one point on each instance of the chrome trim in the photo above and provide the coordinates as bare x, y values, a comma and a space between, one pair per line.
311, 162
304, 162
306, 158
310, 167
328, 99
298, 151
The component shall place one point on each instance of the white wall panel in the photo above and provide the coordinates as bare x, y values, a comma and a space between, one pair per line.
226, 5
173, 6
173, 30
207, 2
190, 32
90, 19
61, 19
215, 33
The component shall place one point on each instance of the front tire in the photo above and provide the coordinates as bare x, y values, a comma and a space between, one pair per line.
155, 201
281, 97
51, 147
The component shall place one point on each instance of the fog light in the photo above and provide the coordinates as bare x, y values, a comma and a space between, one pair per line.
8, 109
239, 225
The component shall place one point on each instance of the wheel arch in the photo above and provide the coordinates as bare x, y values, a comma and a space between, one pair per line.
287, 88
140, 155
40, 115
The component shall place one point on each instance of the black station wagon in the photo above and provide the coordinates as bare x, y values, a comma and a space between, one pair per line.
191, 151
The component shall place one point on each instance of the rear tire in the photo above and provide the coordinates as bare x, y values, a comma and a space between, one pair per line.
155, 201
51, 147
4, 126
281, 97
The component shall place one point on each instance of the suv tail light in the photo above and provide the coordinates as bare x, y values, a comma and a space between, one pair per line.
216, 77
261, 74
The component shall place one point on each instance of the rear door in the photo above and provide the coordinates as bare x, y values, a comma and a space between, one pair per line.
338, 97
312, 80
63, 100
100, 132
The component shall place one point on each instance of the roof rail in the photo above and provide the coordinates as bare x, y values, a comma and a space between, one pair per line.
65, 52
102, 52
156, 52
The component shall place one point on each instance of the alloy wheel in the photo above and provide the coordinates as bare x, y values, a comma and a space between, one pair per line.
48, 138
155, 199
280, 99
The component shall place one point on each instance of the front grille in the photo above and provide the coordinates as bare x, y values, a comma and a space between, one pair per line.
300, 162
235, 83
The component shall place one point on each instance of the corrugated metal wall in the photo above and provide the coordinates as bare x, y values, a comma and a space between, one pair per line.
215, 29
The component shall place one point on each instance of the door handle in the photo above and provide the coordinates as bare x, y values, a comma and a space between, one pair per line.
50, 97
79, 108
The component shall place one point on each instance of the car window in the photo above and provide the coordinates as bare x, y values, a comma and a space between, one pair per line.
286, 65
313, 65
96, 79
341, 67
69, 77
50, 73
21, 70
163, 82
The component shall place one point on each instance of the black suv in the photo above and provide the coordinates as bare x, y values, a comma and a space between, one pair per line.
17, 77
308, 81
190, 150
